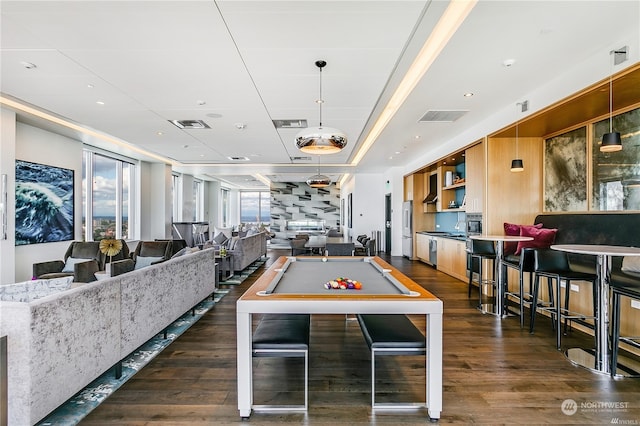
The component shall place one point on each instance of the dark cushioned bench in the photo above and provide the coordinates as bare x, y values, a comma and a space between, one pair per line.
388, 334
284, 335
615, 229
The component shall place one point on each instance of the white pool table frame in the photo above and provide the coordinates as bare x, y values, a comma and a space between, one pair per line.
339, 303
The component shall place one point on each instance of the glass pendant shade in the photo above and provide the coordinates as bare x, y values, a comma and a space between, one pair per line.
319, 181
517, 165
611, 142
321, 140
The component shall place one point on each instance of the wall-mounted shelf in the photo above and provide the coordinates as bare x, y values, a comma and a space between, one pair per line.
454, 186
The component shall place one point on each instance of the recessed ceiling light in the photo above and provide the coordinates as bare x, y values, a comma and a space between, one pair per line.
508, 62
240, 126
100, 102
28, 65
418, 136
90, 86
468, 95
160, 133
201, 102
185, 146
397, 152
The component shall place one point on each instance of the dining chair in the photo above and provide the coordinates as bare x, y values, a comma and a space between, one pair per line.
340, 249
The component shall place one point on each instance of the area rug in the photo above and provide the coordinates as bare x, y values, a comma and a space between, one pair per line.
239, 278
81, 404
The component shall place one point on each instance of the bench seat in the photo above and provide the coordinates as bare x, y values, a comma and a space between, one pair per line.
389, 334
284, 336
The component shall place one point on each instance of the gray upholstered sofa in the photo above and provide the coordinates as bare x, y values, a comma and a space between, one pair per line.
58, 343
248, 249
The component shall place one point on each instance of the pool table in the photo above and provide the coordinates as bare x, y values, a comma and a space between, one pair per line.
297, 285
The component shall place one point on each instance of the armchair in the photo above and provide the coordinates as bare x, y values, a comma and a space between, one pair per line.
147, 253
81, 260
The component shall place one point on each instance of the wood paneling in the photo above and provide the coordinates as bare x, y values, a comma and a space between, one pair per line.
512, 197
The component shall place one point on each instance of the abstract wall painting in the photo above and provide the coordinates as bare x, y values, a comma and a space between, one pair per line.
44, 203
565, 172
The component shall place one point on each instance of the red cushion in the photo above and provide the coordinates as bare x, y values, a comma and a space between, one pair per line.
514, 231
542, 237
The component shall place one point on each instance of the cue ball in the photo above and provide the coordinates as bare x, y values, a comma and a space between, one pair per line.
324, 259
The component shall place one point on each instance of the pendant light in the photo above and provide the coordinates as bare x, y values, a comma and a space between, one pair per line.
321, 140
318, 180
611, 142
517, 164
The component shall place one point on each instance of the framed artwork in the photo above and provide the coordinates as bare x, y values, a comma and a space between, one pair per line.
565, 172
44, 203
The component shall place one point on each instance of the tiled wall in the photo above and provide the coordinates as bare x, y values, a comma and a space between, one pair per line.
298, 201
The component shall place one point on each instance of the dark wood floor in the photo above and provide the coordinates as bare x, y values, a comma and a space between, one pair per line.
494, 373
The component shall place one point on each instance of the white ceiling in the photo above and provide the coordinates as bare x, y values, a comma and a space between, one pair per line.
228, 62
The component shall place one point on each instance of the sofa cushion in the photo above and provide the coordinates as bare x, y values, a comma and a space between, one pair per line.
143, 262
542, 237
631, 264
70, 263
513, 230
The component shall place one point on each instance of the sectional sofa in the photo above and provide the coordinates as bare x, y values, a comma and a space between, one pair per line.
66, 336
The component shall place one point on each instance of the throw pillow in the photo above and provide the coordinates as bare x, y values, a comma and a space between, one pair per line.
143, 262
220, 238
182, 252
542, 237
71, 261
233, 243
514, 231
631, 264
226, 231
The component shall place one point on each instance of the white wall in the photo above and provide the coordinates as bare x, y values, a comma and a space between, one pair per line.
8, 168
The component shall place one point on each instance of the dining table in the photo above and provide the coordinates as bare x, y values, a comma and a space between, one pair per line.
598, 360
497, 308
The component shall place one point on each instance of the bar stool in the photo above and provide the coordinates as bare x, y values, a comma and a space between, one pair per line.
479, 251
622, 285
524, 262
554, 265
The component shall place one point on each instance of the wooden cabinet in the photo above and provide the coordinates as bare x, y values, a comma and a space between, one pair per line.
452, 258
474, 165
422, 247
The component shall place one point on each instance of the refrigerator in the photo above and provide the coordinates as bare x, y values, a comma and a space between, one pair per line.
407, 229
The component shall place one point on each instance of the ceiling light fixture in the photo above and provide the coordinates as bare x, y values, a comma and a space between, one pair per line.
449, 22
611, 142
321, 140
517, 164
318, 180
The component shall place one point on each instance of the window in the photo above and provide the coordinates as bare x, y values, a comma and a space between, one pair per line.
198, 201
108, 199
224, 202
255, 207
176, 195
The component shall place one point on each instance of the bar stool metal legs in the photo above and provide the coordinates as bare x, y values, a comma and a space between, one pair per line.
479, 251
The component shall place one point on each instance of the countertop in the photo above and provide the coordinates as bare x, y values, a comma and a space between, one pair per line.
445, 234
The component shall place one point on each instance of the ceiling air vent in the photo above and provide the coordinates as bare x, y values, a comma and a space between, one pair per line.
238, 158
442, 116
290, 124
190, 124
300, 158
